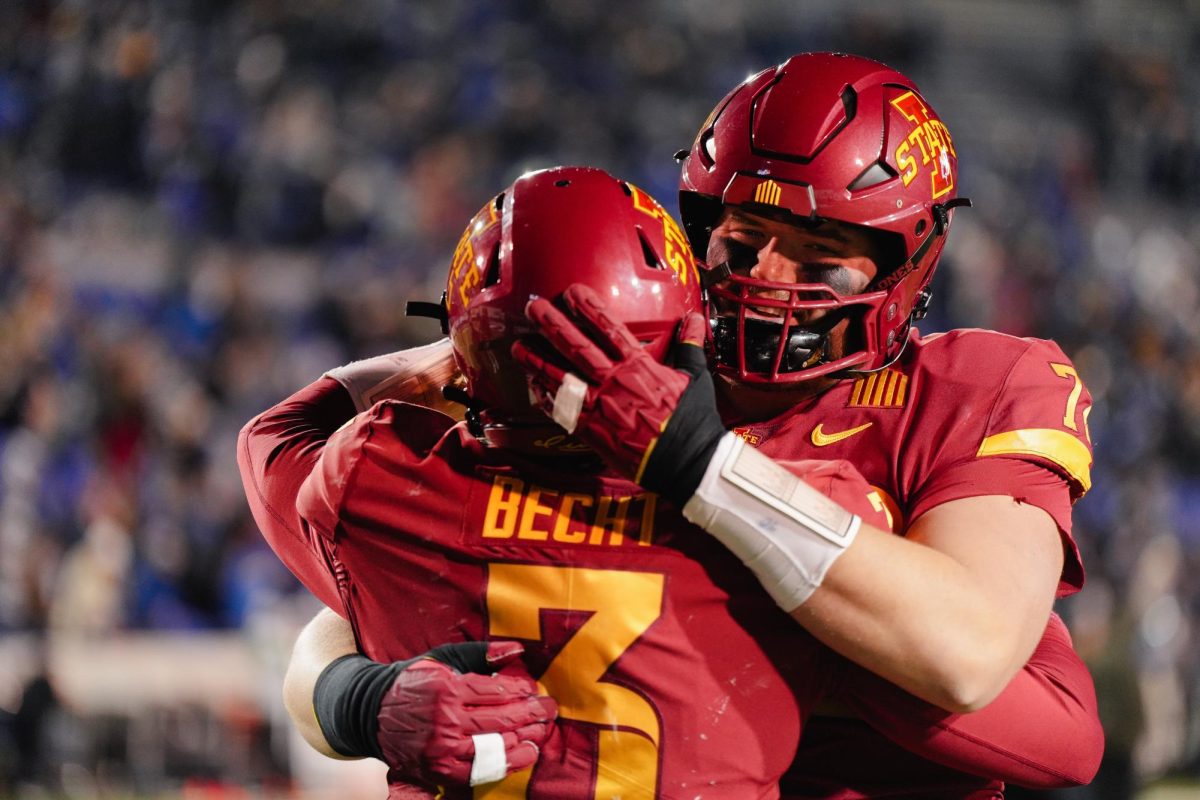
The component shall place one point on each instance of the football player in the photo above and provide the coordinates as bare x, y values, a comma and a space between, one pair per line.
822, 191
501, 528
480, 294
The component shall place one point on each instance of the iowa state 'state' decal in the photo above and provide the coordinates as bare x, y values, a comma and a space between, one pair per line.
932, 143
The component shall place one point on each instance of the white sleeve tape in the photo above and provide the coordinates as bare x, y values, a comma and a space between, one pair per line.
785, 531
490, 762
568, 401
379, 377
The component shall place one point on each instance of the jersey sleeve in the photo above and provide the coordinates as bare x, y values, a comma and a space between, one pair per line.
413, 430
313, 434
1041, 416
1043, 731
1033, 445
276, 452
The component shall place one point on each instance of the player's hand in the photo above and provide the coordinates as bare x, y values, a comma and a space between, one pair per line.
447, 718
443, 718
450, 720
655, 423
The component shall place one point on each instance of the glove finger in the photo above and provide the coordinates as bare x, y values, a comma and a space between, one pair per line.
562, 396
689, 353
494, 690
537, 733
509, 717
545, 380
452, 769
541, 396
585, 305
491, 757
569, 340
537, 365
523, 755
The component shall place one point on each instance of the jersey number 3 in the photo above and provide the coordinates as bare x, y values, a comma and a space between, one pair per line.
623, 606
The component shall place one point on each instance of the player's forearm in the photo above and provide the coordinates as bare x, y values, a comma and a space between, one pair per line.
938, 624
950, 613
415, 375
1042, 731
926, 628
278, 449
325, 638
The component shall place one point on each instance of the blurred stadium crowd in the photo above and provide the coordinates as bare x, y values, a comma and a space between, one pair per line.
204, 204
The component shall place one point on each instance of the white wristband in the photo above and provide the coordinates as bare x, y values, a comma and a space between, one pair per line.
786, 532
416, 375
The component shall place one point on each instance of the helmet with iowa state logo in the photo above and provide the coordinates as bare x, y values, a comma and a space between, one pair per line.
823, 136
548, 230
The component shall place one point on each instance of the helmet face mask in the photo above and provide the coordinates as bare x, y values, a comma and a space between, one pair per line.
753, 350
548, 230
824, 137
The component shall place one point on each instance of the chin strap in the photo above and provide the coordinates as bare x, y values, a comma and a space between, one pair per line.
439, 311
941, 221
713, 275
456, 394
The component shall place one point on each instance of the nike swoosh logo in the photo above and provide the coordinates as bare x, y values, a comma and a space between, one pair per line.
820, 438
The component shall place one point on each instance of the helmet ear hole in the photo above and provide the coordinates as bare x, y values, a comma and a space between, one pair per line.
648, 253
491, 276
917, 231
873, 175
708, 149
850, 102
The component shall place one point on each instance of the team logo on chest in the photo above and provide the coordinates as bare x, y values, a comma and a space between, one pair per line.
747, 433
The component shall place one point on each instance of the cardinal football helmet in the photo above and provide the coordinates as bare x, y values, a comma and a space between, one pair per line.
550, 229
823, 136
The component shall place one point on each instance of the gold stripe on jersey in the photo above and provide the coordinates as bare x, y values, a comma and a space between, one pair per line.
1054, 445
885, 389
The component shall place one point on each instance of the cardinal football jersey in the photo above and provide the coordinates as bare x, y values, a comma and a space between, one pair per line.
961, 414
675, 674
